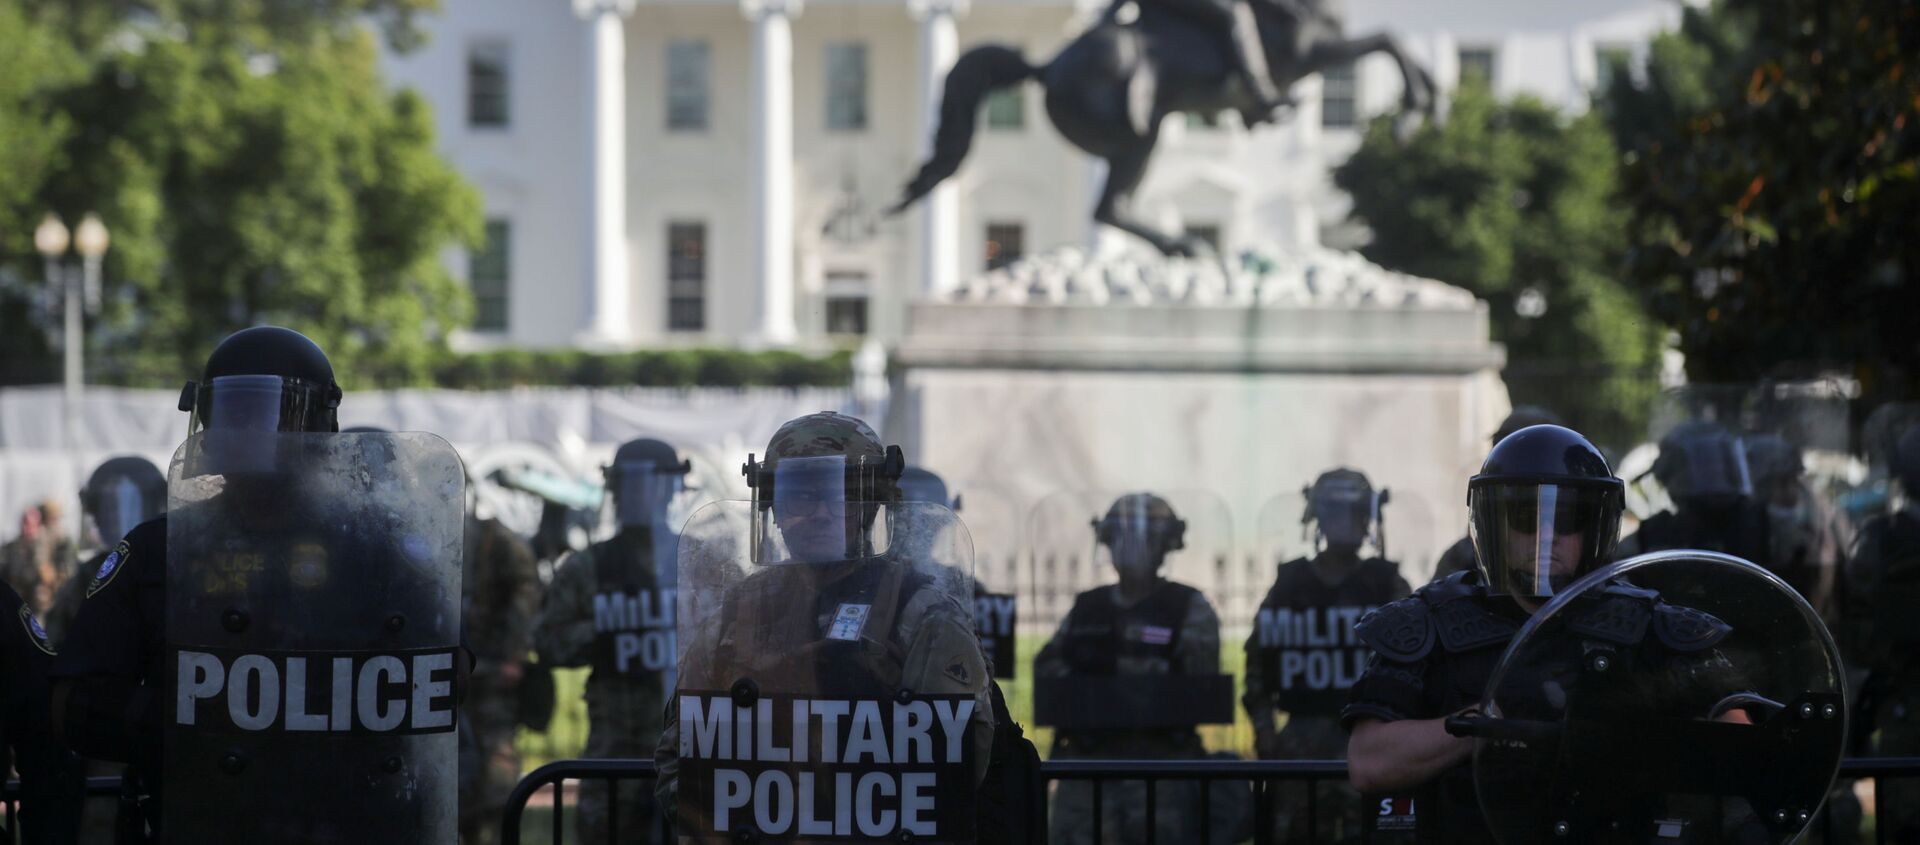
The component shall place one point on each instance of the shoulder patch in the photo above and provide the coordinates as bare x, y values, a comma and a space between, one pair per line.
36, 633
1618, 619
1685, 629
1466, 625
116, 561
1401, 630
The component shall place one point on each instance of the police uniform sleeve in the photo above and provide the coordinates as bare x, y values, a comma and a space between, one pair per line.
512, 591
1258, 699
1051, 662
111, 711
52, 783
1199, 639
563, 636
944, 658
1394, 685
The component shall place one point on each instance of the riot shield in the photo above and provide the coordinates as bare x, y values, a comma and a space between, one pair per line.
1683, 695
830, 683
993, 522
1072, 558
313, 630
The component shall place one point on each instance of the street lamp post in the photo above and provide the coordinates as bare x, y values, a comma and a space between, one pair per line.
77, 291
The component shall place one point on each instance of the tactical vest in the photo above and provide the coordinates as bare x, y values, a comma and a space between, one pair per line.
633, 631
1100, 632
1304, 634
781, 632
1889, 554
1744, 535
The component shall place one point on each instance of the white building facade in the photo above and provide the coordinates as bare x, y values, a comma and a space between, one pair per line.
712, 172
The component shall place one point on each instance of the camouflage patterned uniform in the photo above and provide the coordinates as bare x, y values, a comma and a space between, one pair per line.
1193, 650
502, 591
624, 697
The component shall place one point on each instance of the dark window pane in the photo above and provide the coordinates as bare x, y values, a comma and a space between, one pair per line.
847, 315
1476, 66
487, 271
487, 84
687, 90
1006, 243
847, 85
1209, 232
1610, 63
1007, 108
686, 277
1339, 97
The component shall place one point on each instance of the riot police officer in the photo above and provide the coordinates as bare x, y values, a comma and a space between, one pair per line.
1459, 556
1703, 467
1303, 654
1545, 510
818, 607
1144, 625
280, 540
51, 780
121, 493
611, 606
1884, 590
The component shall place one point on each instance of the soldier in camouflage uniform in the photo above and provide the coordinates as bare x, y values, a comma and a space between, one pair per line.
501, 595
1304, 655
611, 607
1143, 625
1459, 556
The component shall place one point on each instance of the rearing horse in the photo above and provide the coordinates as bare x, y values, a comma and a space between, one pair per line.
1108, 91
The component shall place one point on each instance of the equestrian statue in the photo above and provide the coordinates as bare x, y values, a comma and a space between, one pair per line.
1109, 89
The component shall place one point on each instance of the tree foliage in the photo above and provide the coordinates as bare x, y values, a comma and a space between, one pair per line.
1771, 153
1516, 201
253, 168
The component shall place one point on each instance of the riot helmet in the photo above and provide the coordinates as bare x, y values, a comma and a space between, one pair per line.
824, 480
645, 477
1343, 509
1524, 416
265, 378
1775, 467
1544, 510
1906, 461
1703, 465
123, 492
918, 484
1139, 531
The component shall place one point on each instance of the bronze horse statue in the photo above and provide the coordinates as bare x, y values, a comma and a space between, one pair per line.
1109, 89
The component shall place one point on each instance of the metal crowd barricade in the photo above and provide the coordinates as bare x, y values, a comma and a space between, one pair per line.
1264, 775
97, 787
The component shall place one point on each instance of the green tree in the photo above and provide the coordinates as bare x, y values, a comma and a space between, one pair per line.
1516, 202
254, 168
1771, 157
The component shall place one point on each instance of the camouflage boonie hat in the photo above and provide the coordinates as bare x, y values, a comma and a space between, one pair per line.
826, 433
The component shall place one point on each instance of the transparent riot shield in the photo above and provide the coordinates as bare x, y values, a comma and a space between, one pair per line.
830, 683
1684, 695
1073, 538
313, 630
993, 521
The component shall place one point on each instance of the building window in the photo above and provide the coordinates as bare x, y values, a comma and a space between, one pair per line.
687, 89
1208, 232
1339, 97
487, 77
487, 271
847, 85
1476, 66
1007, 108
1610, 64
846, 302
1006, 243
686, 277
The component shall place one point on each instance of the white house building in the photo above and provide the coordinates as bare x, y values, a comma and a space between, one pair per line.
670, 172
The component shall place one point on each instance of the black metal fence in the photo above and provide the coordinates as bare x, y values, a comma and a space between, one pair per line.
1265, 776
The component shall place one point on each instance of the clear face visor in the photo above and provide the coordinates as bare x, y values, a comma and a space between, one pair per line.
255, 403
812, 520
1344, 512
120, 507
1137, 534
644, 491
1535, 540
1711, 468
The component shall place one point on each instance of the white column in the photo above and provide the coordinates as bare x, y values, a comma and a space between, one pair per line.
940, 210
773, 163
608, 280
